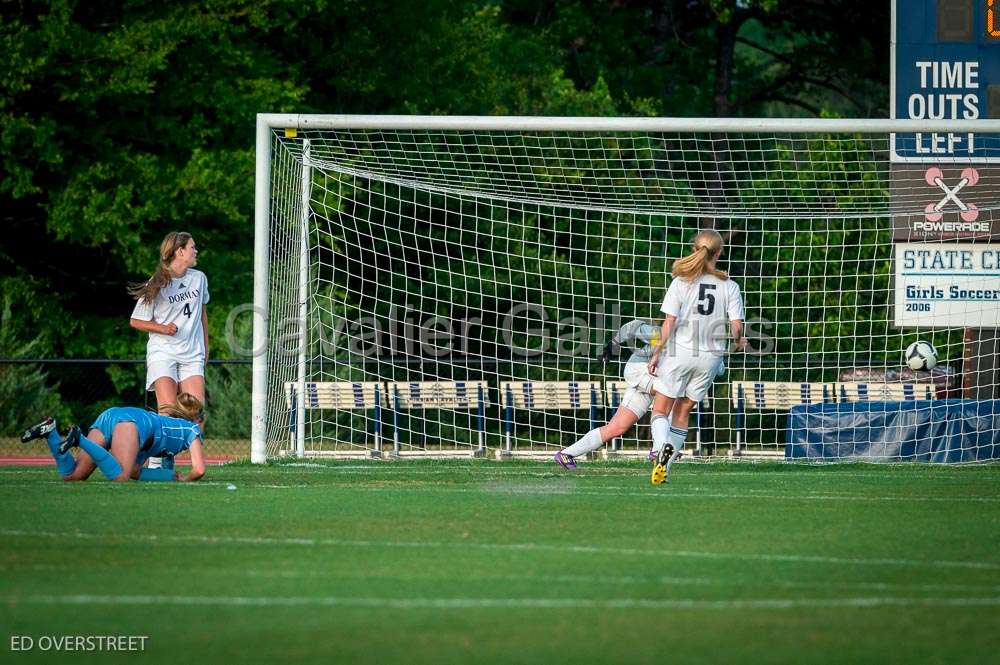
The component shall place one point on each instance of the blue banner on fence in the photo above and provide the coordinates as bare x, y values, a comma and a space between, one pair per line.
952, 430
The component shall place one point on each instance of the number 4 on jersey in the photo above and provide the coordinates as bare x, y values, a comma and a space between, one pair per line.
187, 309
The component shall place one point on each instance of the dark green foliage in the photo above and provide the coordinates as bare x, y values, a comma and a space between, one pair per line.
228, 394
26, 395
120, 121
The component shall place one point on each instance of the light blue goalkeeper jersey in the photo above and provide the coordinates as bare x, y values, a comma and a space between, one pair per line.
145, 423
158, 435
173, 436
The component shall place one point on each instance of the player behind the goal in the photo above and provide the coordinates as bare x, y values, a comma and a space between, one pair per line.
700, 300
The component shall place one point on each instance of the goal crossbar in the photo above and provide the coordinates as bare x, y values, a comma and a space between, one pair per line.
582, 124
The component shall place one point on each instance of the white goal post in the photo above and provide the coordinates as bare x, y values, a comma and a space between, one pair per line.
409, 270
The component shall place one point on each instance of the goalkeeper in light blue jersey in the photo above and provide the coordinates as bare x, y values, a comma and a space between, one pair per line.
123, 438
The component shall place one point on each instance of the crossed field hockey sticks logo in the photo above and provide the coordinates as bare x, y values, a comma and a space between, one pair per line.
967, 211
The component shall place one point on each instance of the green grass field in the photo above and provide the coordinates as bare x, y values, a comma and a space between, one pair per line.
478, 561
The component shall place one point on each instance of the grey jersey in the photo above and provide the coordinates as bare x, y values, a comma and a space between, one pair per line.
641, 337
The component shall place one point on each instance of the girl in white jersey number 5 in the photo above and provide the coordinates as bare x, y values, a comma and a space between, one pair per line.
700, 302
171, 308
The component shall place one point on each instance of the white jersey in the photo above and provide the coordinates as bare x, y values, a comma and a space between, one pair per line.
180, 302
703, 308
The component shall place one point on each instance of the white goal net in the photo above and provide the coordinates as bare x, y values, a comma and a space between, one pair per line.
447, 285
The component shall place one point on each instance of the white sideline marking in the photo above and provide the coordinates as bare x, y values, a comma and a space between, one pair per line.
495, 469
603, 579
146, 487
661, 493
503, 603
579, 549
390, 468
573, 579
567, 487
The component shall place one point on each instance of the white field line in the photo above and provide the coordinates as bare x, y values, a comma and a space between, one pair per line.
496, 468
549, 469
568, 487
515, 547
667, 492
615, 580
500, 603
458, 575
691, 465
97, 481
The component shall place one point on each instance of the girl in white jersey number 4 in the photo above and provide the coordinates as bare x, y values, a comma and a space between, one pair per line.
700, 302
171, 308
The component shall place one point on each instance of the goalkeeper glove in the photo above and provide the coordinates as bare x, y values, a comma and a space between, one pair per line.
609, 349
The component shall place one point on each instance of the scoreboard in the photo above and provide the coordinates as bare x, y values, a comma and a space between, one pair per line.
946, 66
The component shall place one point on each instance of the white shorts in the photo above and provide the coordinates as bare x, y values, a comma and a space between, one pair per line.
636, 402
639, 396
687, 375
159, 365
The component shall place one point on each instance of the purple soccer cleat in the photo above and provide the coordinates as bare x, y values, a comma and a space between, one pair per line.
651, 455
565, 461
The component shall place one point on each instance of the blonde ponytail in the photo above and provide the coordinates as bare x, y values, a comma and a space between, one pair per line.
187, 406
707, 245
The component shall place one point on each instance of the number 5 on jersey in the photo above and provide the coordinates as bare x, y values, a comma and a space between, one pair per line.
706, 299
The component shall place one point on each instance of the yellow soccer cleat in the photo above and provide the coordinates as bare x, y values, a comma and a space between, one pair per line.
661, 467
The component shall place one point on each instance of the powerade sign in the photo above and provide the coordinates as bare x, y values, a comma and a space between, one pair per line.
953, 285
946, 66
944, 199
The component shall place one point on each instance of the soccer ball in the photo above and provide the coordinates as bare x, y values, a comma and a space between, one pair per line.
921, 355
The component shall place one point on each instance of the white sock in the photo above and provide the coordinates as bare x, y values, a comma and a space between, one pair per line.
659, 426
677, 437
155, 463
590, 442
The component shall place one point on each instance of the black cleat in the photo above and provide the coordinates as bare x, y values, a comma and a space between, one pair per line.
673, 458
39, 431
72, 440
